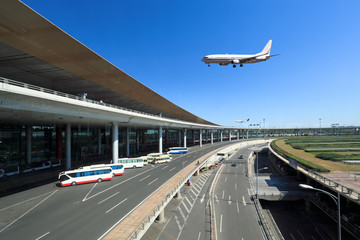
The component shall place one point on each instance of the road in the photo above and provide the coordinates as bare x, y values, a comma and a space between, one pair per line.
234, 211
235, 214
85, 211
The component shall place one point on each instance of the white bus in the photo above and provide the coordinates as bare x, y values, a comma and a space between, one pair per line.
177, 150
80, 176
131, 162
117, 169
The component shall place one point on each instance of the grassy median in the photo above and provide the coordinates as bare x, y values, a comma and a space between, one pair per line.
322, 153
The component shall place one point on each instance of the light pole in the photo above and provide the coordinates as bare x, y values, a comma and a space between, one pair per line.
264, 127
333, 197
319, 126
257, 174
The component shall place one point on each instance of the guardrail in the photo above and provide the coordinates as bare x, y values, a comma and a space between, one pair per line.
328, 182
57, 93
156, 210
352, 229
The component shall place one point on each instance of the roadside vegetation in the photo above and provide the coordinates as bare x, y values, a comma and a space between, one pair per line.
305, 163
322, 153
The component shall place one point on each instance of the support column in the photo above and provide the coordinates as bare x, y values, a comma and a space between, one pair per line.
179, 138
28, 144
247, 133
200, 137
68, 147
238, 134
99, 141
212, 137
178, 194
193, 137
185, 131
160, 140
221, 135
127, 141
161, 217
59, 144
115, 142
230, 135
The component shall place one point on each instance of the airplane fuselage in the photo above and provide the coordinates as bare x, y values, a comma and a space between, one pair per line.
226, 59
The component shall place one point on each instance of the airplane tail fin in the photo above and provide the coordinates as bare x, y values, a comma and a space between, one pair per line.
267, 48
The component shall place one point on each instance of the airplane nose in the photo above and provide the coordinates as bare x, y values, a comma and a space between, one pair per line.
204, 59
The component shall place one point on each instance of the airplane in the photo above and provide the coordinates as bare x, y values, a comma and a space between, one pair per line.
241, 121
226, 59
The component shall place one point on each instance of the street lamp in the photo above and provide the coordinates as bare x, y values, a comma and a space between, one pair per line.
257, 174
333, 197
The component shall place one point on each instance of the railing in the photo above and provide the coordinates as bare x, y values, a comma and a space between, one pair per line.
155, 211
351, 228
332, 184
57, 93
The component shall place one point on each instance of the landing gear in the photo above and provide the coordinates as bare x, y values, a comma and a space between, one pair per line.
234, 66
241, 65
208, 65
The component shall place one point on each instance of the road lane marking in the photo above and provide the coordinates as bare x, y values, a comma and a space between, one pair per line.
229, 199
177, 221
25, 201
237, 206
223, 194
292, 236
42, 236
188, 201
164, 167
152, 181
183, 203
228, 169
144, 178
197, 188
85, 198
191, 190
221, 223
216, 199
244, 202
182, 214
28, 211
172, 169
201, 181
202, 199
235, 186
90, 191
199, 236
108, 198
225, 179
116, 205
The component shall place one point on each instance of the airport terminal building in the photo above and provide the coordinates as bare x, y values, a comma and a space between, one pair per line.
61, 103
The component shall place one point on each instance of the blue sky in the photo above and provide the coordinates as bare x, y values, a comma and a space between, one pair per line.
161, 43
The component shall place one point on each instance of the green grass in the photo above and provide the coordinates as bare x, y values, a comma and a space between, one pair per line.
303, 162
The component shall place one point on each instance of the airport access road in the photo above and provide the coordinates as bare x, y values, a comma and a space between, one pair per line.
235, 214
85, 211
234, 209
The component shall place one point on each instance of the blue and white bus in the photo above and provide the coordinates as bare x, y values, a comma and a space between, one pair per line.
80, 176
117, 169
177, 150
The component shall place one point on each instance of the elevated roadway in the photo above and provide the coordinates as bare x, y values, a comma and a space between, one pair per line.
85, 211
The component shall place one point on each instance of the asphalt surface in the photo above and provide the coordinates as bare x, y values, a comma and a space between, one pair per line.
189, 218
234, 211
85, 211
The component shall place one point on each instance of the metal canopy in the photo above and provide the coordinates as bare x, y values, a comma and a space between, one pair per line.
35, 51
